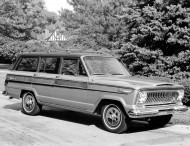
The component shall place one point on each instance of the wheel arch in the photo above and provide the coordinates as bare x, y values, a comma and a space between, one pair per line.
23, 91
108, 101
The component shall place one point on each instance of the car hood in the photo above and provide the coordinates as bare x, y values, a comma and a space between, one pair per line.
133, 82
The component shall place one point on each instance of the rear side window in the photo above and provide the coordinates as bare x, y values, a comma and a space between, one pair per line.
49, 65
28, 64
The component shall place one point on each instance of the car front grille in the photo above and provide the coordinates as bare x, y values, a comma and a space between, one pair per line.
161, 97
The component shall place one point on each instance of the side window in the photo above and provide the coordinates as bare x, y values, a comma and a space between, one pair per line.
49, 65
28, 64
72, 67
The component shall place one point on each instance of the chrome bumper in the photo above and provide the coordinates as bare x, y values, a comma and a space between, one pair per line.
155, 111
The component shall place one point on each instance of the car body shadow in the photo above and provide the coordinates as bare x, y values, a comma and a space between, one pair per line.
142, 126
14, 106
82, 118
71, 116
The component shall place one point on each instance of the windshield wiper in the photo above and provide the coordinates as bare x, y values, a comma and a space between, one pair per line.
117, 74
98, 74
107, 74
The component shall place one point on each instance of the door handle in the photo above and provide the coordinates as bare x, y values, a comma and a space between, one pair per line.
36, 75
57, 76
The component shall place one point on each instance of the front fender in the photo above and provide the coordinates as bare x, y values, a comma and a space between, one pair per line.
106, 99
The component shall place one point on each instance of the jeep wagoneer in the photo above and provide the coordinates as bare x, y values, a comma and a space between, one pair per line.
94, 84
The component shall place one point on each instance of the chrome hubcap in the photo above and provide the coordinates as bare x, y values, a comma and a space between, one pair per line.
113, 117
29, 103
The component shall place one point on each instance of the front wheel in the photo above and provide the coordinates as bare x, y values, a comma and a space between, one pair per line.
113, 118
30, 105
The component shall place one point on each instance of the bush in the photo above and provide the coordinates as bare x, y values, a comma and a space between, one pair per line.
186, 84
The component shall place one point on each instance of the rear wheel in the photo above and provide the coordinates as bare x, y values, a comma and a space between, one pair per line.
30, 105
160, 121
113, 118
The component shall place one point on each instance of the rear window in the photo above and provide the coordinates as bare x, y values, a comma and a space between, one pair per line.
28, 64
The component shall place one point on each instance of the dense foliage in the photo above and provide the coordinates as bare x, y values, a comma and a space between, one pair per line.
94, 23
156, 40
21, 19
20, 22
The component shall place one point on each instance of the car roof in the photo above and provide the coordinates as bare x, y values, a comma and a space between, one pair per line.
54, 54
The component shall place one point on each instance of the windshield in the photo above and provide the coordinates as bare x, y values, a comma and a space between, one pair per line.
99, 65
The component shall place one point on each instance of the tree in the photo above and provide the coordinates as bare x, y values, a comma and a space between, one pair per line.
151, 29
94, 23
21, 19
157, 27
22, 23
52, 20
184, 3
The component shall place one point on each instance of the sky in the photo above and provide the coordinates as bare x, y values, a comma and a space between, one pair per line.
56, 5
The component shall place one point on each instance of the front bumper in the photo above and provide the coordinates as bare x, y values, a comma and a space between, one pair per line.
152, 111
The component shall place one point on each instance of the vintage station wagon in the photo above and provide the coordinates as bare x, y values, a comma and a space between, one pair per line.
94, 84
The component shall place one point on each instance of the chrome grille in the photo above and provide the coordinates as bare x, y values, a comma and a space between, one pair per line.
161, 97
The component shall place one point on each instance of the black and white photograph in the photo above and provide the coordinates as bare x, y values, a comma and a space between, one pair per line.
94, 72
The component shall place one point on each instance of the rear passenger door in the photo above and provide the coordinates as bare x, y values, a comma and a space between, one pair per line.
70, 88
43, 81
